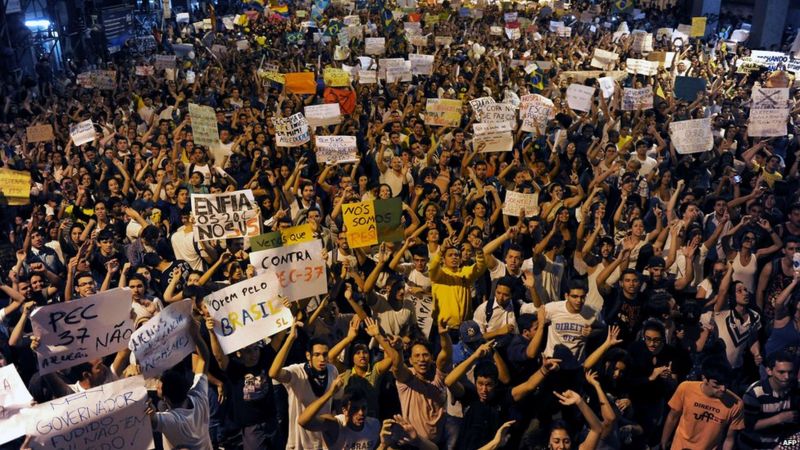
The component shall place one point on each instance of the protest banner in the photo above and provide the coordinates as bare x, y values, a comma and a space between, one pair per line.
692, 136
335, 77
774, 60
275, 77
579, 97
423, 308
299, 268
503, 113
15, 186
418, 40
292, 131
300, 83
479, 103
493, 137
375, 46
579, 76
515, 33
441, 112
110, 416
40, 133
642, 41
495, 30
769, 112
370, 222
225, 215
247, 312
323, 115
204, 125
336, 149
687, 88
421, 64
13, 397
287, 236
367, 77
603, 59
515, 202
698, 27
164, 340
82, 330
99, 79
535, 111
82, 133
145, 71
162, 62
641, 66
637, 99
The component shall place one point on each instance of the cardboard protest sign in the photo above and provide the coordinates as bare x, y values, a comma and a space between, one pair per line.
515, 202
242, 45
423, 309
15, 186
109, 416
441, 112
367, 77
300, 83
687, 88
370, 222
692, 136
375, 46
336, 149
40, 133
225, 215
204, 125
603, 59
502, 113
442, 41
664, 59
247, 312
421, 64
164, 340
535, 111
637, 99
579, 97
82, 133
642, 66
287, 236
335, 77
479, 103
13, 397
698, 27
493, 137
162, 62
642, 41
292, 131
323, 115
299, 268
82, 330
769, 112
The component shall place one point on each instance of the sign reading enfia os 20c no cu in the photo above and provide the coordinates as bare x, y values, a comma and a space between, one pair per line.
226, 215
247, 312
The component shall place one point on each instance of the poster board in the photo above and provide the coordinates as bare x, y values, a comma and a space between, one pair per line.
225, 215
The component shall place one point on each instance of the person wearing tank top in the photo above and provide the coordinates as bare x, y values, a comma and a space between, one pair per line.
746, 259
774, 277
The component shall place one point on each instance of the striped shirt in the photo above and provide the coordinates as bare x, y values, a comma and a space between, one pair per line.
762, 402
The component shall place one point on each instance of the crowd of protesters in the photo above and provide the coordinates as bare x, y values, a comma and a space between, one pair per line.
650, 301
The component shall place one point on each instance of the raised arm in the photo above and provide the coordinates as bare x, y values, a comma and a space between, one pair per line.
276, 370
312, 420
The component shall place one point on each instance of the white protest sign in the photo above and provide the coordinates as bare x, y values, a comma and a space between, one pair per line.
375, 45
367, 77
515, 202
535, 111
225, 215
479, 103
642, 41
495, 31
564, 32
493, 137
579, 97
421, 64
82, 133
82, 330
692, 136
642, 66
110, 416
162, 62
164, 340
399, 73
336, 149
603, 59
144, 71
323, 115
424, 313
637, 99
292, 131
513, 33
555, 25
740, 35
204, 125
299, 268
769, 112
499, 113
13, 397
607, 86
248, 312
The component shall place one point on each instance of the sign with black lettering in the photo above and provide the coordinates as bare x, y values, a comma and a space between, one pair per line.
164, 340
300, 268
227, 215
82, 330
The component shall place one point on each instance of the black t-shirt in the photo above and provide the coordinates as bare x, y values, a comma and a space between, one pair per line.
623, 312
251, 391
165, 276
481, 420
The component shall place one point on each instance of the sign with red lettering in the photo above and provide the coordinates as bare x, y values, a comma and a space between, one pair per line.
300, 268
226, 215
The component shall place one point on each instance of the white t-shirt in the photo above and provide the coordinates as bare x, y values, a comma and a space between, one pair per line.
365, 439
300, 396
183, 246
566, 328
205, 169
188, 427
737, 334
500, 317
395, 181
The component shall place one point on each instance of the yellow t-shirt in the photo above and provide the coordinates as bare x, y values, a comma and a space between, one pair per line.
452, 290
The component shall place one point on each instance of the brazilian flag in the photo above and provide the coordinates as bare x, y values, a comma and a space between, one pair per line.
334, 27
388, 20
537, 80
294, 37
622, 6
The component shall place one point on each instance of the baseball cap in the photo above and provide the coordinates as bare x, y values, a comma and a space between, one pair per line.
470, 332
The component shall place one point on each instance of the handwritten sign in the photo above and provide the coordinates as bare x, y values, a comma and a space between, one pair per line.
100, 79
40, 133
13, 397
105, 417
286, 236
82, 330
535, 111
367, 76
225, 215
493, 137
204, 125
499, 113
698, 27
479, 103
421, 64
336, 149
603, 59
292, 131
335, 77
375, 45
164, 340
579, 97
642, 41
769, 112
515, 202
247, 312
299, 268
642, 66
370, 222
423, 308
441, 112
323, 115
162, 62
637, 99
692, 136
82, 133
16, 186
